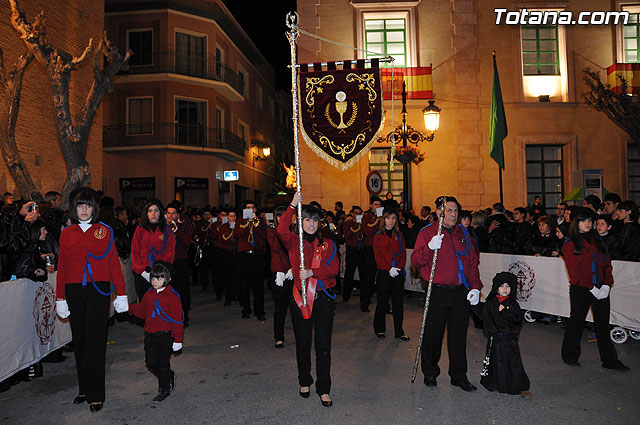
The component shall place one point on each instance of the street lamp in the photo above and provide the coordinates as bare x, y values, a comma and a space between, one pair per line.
266, 152
405, 133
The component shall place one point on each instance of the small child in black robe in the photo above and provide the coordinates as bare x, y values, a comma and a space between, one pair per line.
503, 370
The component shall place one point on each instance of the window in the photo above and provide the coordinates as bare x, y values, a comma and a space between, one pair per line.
545, 175
633, 156
219, 62
259, 104
191, 55
243, 131
191, 119
241, 194
139, 115
243, 79
140, 41
540, 50
219, 125
386, 37
631, 37
392, 180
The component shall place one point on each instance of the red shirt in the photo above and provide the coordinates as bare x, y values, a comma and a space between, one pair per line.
352, 232
386, 248
74, 246
447, 265
279, 255
369, 227
224, 238
243, 235
328, 250
184, 237
579, 266
170, 306
141, 245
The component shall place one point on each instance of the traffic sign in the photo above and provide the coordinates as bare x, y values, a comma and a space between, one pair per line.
374, 182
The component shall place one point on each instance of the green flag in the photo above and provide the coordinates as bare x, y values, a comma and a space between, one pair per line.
498, 122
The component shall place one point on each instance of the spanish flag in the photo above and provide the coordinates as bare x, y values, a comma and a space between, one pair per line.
418, 81
630, 72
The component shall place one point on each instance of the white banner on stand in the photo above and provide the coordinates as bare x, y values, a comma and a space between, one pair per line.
30, 329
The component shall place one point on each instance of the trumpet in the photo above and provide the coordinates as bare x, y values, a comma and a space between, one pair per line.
173, 226
254, 221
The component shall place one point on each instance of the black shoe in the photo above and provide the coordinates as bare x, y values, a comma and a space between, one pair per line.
365, 309
430, 381
281, 345
404, 338
262, 318
160, 397
79, 399
305, 394
619, 366
380, 335
326, 403
465, 385
572, 363
95, 407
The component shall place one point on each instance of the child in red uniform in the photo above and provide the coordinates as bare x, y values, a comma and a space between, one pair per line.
161, 310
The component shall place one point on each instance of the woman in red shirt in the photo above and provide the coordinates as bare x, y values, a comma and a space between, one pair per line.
153, 240
321, 267
589, 268
391, 256
88, 272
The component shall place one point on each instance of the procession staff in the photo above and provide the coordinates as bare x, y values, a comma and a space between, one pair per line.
370, 226
153, 240
252, 240
391, 256
282, 276
183, 232
590, 275
88, 272
354, 240
456, 284
320, 273
229, 252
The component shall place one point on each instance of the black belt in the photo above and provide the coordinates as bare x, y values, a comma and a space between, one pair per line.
449, 287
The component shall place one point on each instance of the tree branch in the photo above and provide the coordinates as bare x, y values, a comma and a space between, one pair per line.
78, 61
33, 35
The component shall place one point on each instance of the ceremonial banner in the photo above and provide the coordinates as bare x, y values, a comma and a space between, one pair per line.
630, 72
341, 112
30, 327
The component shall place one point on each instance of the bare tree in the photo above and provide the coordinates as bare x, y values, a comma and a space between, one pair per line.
622, 109
73, 137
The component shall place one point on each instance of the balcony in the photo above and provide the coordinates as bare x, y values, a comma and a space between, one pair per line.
168, 65
217, 141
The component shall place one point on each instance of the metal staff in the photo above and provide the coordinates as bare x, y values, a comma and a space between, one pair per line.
292, 36
426, 301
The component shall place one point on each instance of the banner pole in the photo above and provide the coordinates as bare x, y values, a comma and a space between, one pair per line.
292, 36
500, 178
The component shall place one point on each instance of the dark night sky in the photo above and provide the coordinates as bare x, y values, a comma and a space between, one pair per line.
264, 21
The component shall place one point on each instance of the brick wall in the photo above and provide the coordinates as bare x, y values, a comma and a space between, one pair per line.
70, 24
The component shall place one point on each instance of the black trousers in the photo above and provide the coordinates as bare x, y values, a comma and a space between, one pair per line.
355, 258
157, 354
181, 285
581, 300
89, 315
450, 308
394, 287
249, 270
321, 321
216, 271
367, 277
142, 286
206, 267
281, 297
229, 275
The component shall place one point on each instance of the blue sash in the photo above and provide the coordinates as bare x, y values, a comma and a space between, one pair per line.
153, 252
321, 283
594, 271
87, 267
394, 260
462, 279
161, 314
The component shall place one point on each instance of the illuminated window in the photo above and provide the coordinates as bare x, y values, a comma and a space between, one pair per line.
386, 37
540, 50
631, 39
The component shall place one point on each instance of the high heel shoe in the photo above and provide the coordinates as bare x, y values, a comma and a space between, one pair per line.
305, 394
326, 403
95, 407
80, 399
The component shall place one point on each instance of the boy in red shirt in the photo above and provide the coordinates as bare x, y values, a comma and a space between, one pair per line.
163, 326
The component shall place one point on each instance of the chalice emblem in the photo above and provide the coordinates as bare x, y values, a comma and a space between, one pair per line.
341, 107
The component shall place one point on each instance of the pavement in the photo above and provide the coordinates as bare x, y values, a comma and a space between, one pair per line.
230, 373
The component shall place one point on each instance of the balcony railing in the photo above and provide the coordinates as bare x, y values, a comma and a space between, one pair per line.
172, 134
171, 62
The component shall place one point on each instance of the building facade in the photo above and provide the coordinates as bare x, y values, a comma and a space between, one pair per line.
194, 117
553, 136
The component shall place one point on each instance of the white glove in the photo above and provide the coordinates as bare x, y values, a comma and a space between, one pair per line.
146, 275
394, 271
121, 303
473, 296
435, 242
279, 279
604, 292
595, 291
177, 346
288, 275
63, 309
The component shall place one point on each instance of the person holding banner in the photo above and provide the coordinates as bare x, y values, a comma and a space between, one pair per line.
153, 240
590, 275
88, 272
322, 266
456, 284
391, 256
